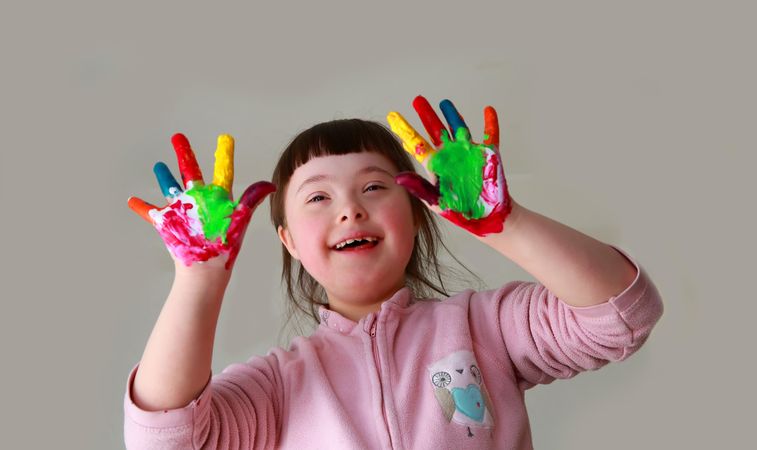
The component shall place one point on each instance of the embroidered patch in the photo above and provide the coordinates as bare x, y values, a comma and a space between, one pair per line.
460, 391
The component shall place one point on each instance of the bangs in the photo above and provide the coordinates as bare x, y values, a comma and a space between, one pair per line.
341, 137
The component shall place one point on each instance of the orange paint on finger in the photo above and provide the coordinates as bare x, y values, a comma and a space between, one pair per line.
491, 126
142, 208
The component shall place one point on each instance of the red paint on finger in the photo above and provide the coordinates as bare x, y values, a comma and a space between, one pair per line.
190, 170
431, 122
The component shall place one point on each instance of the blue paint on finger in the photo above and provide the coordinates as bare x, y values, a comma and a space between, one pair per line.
454, 119
168, 184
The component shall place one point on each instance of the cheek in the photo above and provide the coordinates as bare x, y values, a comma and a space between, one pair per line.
402, 224
309, 237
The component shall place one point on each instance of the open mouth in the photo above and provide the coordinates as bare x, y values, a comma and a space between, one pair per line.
356, 244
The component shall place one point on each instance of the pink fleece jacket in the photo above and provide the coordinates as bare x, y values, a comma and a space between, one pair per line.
414, 375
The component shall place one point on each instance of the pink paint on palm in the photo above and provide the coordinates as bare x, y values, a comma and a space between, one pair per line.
181, 230
177, 225
492, 193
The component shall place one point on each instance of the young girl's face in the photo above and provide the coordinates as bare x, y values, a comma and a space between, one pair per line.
331, 199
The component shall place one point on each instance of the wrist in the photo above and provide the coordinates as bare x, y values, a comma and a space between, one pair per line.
212, 271
515, 212
509, 226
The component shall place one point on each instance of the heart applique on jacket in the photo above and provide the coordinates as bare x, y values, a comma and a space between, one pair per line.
470, 402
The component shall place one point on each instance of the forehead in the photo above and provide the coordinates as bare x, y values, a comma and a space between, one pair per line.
339, 166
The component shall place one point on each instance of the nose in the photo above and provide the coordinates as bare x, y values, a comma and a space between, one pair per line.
352, 210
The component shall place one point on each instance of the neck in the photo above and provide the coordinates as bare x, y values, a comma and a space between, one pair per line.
356, 309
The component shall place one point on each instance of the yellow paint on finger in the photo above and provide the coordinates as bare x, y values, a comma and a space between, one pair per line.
223, 173
413, 142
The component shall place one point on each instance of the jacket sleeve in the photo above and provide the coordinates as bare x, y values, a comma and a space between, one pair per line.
237, 409
545, 338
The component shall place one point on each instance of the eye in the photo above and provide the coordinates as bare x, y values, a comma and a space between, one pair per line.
316, 198
374, 187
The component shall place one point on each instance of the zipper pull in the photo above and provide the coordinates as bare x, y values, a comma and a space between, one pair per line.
369, 326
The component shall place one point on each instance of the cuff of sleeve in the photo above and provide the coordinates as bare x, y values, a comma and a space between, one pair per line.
167, 418
622, 302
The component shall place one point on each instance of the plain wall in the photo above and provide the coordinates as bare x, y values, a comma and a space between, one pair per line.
632, 122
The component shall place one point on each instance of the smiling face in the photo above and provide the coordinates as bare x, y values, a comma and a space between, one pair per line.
331, 199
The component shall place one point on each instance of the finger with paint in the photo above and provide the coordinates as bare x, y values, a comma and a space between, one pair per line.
168, 184
188, 167
491, 128
453, 118
223, 171
467, 184
203, 221
412, 141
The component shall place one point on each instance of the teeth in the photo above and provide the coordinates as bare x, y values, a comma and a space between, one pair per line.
350, 241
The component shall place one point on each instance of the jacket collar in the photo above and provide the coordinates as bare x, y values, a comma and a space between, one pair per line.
337, 322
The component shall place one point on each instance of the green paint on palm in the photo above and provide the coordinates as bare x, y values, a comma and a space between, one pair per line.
458, 166
214, 209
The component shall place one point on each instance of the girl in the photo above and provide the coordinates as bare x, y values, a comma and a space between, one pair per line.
383, 369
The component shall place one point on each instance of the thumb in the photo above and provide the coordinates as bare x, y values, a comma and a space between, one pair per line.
251, 198
255, 194
419, 187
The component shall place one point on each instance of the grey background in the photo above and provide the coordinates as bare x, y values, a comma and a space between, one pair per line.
632, 122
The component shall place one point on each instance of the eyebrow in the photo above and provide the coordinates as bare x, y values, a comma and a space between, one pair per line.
364, 170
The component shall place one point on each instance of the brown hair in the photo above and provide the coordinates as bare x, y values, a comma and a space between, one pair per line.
424, 274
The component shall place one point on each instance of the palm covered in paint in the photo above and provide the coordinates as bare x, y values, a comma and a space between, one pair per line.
468, 185
202, 221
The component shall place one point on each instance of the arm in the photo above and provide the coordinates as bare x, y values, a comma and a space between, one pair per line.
176, 363
469, 189
203, 229
171, 401
578, 269
592, 304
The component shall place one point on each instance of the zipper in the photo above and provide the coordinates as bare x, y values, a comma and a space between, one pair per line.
378, 369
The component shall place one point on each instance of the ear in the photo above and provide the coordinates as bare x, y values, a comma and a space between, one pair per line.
286, 239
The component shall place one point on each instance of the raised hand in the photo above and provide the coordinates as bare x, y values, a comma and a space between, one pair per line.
202, 221
468, 185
